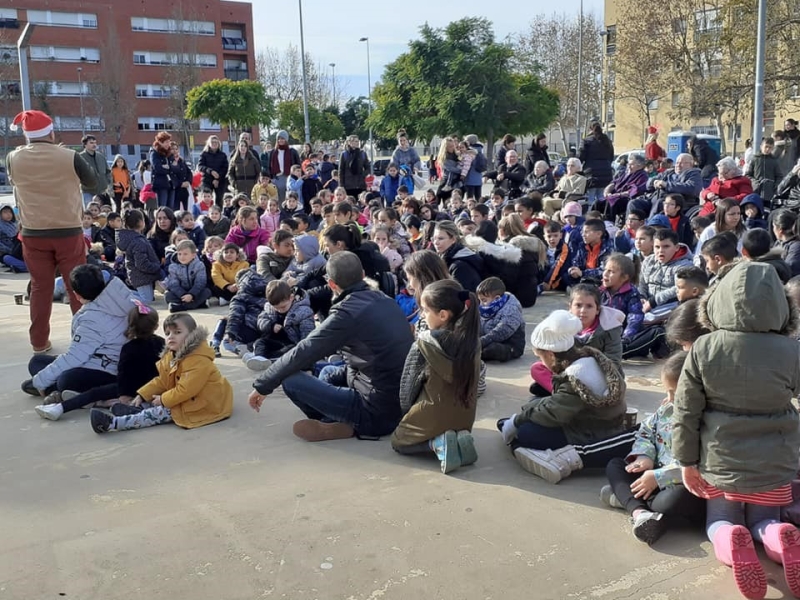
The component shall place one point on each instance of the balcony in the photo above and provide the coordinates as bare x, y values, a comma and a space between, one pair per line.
9, 24
236, 44
237, 74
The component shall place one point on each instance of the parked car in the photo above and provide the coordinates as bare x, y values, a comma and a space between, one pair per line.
627, 154
380, 164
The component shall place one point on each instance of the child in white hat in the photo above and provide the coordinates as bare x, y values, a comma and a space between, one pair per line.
581, 422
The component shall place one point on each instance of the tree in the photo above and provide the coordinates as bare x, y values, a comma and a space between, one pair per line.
281, 73
459, 80
10, 99
325, 125
234, 104
549, 48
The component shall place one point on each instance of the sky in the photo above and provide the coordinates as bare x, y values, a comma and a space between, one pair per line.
332, 29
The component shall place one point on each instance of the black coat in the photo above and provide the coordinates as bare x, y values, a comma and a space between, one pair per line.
705, 157
789, 191
246, 305
349, 180
534, 155
596, 155
266, 162
516, 263
141, 262
464, 265
374, 358
513, 179
213, 161
162, 173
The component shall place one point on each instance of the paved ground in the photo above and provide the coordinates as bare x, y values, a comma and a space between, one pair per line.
243, 510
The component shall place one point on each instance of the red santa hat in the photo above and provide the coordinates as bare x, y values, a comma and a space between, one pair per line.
652, 130
35, 124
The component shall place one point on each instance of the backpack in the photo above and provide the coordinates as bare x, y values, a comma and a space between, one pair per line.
479, 162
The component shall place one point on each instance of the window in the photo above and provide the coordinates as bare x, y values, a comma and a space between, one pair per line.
78, 124
707, 20
677, 99
172, 26
145, 90
705, 129
610, 110
65, 54
155, 124
737, 131
8, 13
8, 55
611, 39
679, 26
168, 59
61, 88
794, 91
652, 103
206, 125
62, 19
9, 89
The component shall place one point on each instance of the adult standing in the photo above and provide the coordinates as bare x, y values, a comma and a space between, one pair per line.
213, 165
537, 152
405, 154
161, 170
353, 167
447, 167
596, 155
102, 172
473, 183
181, 177
243, 169
705, 157
360, 397
277, 163
652, 150
792, 139
50, 211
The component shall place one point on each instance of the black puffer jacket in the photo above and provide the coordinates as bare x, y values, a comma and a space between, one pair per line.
789, 191
535, 154
705, 157
464, 265
374, 358
247, 304
141, 262
353, 169
596, 155
213, 161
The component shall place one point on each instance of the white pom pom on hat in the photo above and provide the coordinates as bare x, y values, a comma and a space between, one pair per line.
34, 123
557, 332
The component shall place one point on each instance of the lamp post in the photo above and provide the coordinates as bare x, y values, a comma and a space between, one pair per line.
333, 82
305, 79
580, 77
758, 100
22, 51
369, 107
80, 92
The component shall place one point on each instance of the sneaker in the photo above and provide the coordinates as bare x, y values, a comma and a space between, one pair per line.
224, 302
446, 448
213, 301
466, 448
175, 307
52, 398
543, 463
256, 363
51, 412
101, 420
215, 347
30, 389
608, 498
229, 346
647, 526
241, 349
312, 430
68, 395
121, 410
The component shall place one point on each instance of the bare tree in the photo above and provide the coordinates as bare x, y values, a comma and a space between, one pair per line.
281, 73
10, 99
549, 47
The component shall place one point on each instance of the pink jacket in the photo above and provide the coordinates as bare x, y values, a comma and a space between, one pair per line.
271, 222
248, 241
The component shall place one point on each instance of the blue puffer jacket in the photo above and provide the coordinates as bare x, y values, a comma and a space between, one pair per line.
187, 279
162, 174
581, 253
298, 322
247, 304
8, 231
506, 326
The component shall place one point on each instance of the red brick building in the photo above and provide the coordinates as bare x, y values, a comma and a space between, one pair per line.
119, 69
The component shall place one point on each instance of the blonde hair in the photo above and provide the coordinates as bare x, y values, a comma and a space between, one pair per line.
212, 138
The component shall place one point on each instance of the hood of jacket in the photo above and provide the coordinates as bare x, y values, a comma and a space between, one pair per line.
611, 318
532, 244
505, 252
459, 252
748, 297
194, 342
115, 300
615, 382
756, 201
308, 245
683, 253
11, 208
435, 356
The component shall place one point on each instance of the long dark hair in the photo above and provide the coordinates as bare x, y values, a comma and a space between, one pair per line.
461, 336
155, 232
426, 267
350, 234
723, 206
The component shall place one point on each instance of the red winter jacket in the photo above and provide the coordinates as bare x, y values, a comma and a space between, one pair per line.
736, 188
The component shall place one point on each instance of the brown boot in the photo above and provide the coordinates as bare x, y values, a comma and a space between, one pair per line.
312, 430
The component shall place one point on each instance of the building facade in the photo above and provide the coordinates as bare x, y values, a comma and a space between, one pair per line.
623, 118
119, 70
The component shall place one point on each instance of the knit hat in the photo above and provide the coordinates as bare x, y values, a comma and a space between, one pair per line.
571, 209
659, 221
557, 332
308, 245
35, 124
471, 139
282, 135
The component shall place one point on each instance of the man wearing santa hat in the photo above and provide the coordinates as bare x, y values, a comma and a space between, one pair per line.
47, 181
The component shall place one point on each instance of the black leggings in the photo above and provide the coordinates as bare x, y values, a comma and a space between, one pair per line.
674, 501
98, 394
78, 379
501, 352
594, 456
271, 348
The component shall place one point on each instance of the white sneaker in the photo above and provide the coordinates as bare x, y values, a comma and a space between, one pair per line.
242, 349
223, 302
52, 398
256, 363
543, 463
51, 412
68, 395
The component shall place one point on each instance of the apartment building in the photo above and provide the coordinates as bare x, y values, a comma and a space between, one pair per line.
623, 119
118, 69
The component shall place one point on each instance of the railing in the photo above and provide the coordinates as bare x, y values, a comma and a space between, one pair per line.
237, 74
234, 44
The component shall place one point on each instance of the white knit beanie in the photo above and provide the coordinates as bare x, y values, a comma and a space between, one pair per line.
557, 332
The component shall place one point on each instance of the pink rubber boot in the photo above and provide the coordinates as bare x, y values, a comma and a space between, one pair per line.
733, 546
782, 543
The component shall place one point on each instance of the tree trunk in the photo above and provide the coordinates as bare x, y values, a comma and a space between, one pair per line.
489, 150
720, 130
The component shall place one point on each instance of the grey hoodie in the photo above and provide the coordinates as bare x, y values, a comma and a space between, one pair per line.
98, 334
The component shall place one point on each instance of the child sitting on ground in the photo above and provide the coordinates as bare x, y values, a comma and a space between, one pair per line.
558, 258
194, 230
205, 200
307, 271
589, 257
719, 253
647, 483
287, 318
188, 390
757, 246
502, 323
602, 330
137, 366
227, 263
438, 388
216, 224
141, 262
581, 423
186, 284
273, 262
247, 234
107, 236
619, 291
382, 237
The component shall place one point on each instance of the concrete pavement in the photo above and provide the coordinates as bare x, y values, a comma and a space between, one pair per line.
244, 510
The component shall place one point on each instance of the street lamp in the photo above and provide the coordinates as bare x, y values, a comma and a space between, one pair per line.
580, 77
80, 92
305, 79
333, 81
22, 51
758, 99
369, 107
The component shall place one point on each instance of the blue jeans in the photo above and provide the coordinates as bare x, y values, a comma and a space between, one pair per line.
593, 195
87, 197
146, 293
330, 400
166, 197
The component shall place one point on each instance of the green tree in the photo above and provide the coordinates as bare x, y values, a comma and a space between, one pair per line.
459, 80
234, 104
354, 120
325, 125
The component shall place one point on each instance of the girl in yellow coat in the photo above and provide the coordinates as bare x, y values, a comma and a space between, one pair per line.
189, 389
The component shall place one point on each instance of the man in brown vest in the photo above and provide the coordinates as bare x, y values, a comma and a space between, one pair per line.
47, 183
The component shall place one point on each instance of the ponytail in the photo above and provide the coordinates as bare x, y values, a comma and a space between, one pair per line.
461, 335
349, 235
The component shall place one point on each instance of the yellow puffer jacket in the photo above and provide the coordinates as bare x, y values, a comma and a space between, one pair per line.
223, 274
190, 384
